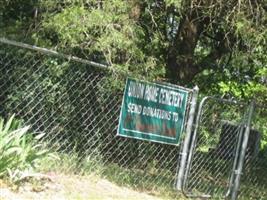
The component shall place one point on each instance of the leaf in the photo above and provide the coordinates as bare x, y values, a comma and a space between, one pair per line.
19, 150
40, 135
8, 124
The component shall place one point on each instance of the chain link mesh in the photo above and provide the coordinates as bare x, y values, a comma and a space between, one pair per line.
254, 178
77, 107
215, 150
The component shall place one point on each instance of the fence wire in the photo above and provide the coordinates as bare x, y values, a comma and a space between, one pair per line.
220, 124
254, 177
77, 107
214, 149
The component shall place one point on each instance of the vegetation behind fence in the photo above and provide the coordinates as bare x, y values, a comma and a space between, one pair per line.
77, 105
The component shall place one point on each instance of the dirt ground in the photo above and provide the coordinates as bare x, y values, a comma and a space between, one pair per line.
62, 187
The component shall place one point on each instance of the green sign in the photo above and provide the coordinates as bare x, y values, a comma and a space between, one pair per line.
152, 111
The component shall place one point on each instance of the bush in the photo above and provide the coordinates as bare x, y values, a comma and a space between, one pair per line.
20, 151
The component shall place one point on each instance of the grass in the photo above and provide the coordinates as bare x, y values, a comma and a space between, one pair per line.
151, 181
21, 153
157, 182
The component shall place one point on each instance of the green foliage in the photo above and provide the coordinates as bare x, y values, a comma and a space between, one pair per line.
105, 32
20, 151
176, 3
134, 36
244, 78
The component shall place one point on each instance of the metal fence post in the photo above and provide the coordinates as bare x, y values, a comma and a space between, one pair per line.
193, 140
184, 153
240, 164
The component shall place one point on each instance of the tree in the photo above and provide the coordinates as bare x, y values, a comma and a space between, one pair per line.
219, 45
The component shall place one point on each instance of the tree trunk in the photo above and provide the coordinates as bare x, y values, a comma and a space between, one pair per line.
180, 59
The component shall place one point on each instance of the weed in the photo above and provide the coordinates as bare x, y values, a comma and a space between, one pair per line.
20, 150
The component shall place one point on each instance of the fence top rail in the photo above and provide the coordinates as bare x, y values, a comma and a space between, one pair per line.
54, 53
74, 58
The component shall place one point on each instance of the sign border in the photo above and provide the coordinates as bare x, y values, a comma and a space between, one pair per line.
168, 86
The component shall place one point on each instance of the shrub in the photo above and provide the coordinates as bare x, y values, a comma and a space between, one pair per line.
20, 151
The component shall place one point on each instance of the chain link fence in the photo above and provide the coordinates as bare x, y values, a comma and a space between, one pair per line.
254, 178
216, 150
76, 104
213, 154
